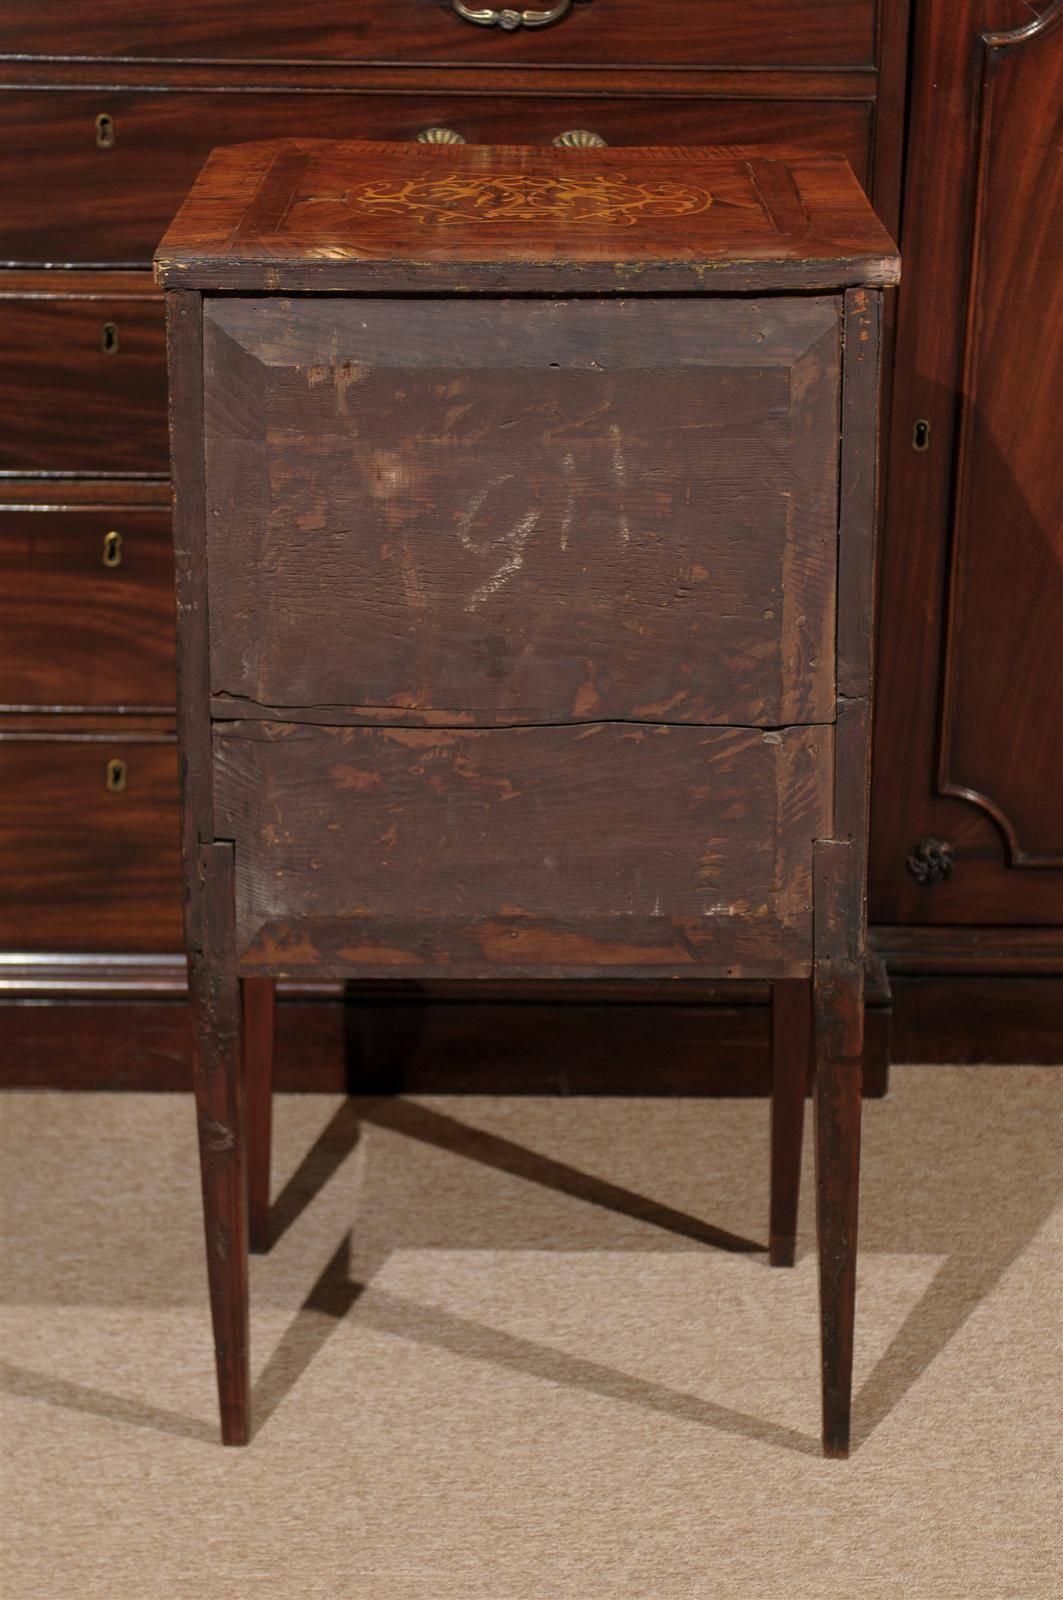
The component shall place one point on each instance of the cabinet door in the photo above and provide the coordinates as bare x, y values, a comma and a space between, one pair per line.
967, 819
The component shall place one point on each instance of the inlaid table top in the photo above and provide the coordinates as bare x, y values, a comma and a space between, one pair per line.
310, 213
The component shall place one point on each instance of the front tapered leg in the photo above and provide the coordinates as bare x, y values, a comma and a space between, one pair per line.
837, 1118
838, 1020
791, 1044
258, 1024
215, 992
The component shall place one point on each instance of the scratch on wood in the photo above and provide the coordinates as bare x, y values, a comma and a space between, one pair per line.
620, 474
569, 467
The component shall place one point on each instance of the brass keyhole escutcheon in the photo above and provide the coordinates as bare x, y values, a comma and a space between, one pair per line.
109, 339
117, 776
112, 548
921, 436
105, 134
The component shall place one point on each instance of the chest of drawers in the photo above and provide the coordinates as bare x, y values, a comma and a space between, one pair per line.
104, 130
524, 507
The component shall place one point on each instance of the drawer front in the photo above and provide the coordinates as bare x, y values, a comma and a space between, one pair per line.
67, 200
83, 384
84, 868
591, 32
524, 852
524, 511
86, 609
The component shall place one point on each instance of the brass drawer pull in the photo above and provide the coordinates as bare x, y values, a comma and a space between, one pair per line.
510, 18
105, 132
109, 339
117, 776
112, 548
580, 139
439, 136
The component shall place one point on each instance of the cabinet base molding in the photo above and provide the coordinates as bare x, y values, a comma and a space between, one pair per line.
949, 995
970, 951
122, 1022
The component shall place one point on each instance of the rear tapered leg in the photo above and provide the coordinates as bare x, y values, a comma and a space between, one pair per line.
791, 1046
258, 1026
222, 1131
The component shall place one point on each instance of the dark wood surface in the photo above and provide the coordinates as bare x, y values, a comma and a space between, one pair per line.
833, 33
304, 214
408, 1039
86, 607
791, 1061
551, 852
967, 747
1007, 761
221, 1123
657, 473
558, 844
978, 1019
74, 854
838, 1039
70, 402
70, 201
204, 77
258, 1033
173, 88
184, 342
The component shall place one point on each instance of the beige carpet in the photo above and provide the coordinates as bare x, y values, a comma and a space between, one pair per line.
495, 1361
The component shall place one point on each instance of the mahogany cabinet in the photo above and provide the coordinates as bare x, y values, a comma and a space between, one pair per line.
967, 810
947, 111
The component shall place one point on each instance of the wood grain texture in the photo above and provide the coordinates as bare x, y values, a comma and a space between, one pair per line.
79, 863
791, 1058
858, 492
222, 1129
68, 406
304, 214
184, 334
982, 215
75, 632
999, 1019
999, 748
107, 496
838, 1035
398, 1042
259, 1026
596, 33
599, 850
70, 201
519, 512
593, 464
973, 952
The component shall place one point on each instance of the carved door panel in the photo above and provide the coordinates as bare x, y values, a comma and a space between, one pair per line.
968, 812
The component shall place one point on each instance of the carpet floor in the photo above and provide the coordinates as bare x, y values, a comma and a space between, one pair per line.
498, 1356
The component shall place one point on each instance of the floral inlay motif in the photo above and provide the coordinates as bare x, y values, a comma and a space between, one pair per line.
591, 201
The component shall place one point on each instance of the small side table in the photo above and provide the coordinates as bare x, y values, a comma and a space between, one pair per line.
524, 519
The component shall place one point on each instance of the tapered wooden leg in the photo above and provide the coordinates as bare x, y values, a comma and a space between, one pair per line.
791, 1045
258, 1019
215, 994
838, 1013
